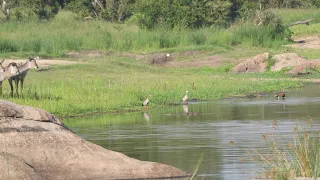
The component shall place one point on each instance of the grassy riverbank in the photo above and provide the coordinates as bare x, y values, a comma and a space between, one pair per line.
112, 83
118, 84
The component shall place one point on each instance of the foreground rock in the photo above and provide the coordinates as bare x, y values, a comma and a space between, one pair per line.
35, 145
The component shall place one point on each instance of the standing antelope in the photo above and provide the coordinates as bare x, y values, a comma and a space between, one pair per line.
6, 72
23, 68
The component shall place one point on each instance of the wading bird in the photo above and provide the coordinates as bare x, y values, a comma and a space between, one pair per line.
6, 72
185, 98
281, 94
23, 68
146, 102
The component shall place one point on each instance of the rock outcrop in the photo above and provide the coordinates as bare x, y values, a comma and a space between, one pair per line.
296, 63
292, 62
35, 145
255, 64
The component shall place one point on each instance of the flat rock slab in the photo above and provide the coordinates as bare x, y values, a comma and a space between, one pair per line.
35, 145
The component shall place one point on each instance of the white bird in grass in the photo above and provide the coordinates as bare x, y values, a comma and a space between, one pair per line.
185, 98
146, 102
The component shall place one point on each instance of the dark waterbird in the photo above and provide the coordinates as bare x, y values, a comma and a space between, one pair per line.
281, 94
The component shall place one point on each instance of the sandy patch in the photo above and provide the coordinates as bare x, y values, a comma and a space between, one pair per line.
42, 62
215, 60
306, 42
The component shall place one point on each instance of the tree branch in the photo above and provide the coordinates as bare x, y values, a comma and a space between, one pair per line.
306, 22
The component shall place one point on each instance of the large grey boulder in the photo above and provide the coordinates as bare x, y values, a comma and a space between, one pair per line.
35, 145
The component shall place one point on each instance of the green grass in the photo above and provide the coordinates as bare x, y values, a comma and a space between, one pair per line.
292, 15
58, 36
113, 84
118, 84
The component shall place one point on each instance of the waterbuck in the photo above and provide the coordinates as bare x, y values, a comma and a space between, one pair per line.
6, 72
23, 68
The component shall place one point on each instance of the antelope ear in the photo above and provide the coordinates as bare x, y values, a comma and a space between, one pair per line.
2, 61
37, 58
30, 58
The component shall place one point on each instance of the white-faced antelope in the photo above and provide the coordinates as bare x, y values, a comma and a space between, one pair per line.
6, 72
185, 98
23, 68
147, 101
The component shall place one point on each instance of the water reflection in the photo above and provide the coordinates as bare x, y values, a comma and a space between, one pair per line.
146, 116
185, 109
222, 130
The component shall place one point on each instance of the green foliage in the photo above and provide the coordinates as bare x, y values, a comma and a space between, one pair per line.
58, 36
264, 36
110, 10
8, 46
26, 9
284, 3
181, 14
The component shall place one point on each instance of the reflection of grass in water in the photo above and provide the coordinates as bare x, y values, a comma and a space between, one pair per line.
287, 160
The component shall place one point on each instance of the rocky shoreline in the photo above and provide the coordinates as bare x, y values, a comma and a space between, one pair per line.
36, 145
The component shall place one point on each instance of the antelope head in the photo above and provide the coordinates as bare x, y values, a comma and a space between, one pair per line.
3, 70
32, 62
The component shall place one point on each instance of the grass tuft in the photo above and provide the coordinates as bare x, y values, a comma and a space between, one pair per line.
287, 159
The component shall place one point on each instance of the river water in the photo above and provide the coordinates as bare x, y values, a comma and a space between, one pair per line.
221, 131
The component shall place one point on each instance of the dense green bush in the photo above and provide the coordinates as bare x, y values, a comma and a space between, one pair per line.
26, 9
110, 10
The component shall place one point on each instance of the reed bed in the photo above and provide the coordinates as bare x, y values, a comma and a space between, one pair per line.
58, 36
288, 158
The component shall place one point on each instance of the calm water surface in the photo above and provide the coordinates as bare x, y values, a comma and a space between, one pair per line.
223, 131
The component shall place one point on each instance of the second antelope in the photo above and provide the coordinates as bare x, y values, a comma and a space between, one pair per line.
23, 68
7, 72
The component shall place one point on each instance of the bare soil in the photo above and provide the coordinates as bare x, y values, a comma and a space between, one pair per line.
214, 60
42, 62
306, 42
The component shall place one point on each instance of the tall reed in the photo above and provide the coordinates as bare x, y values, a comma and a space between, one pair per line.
287, 159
